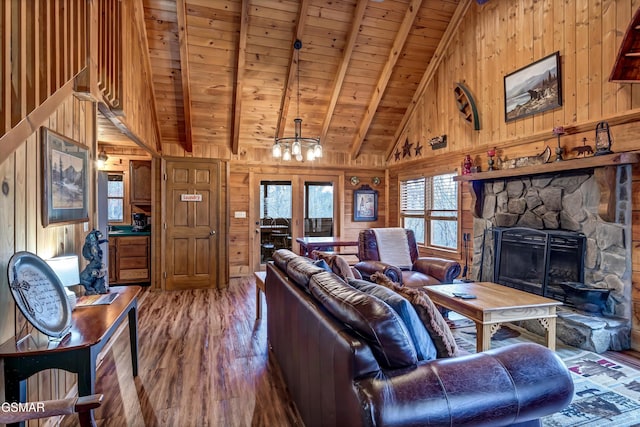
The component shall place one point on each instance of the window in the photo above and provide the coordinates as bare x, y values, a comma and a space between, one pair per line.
429, 206
275, 199
318, 209
115, 198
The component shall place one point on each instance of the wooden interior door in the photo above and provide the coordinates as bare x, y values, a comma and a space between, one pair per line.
192, 233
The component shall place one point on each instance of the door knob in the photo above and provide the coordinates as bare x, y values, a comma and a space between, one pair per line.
212, 233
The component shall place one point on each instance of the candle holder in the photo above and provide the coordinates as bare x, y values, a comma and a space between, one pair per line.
491, 153
559, 131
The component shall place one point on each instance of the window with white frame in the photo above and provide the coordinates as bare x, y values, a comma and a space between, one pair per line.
115, 198
429, 206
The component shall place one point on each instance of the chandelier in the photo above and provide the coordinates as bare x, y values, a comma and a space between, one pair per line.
295, 146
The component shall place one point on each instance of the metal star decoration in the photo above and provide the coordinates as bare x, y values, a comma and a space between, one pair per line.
397, 153
418, 149
406, 149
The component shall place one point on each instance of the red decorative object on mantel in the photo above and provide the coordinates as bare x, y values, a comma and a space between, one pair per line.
466, 166
491, 153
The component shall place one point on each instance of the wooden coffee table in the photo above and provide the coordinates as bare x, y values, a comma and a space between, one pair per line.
496, 304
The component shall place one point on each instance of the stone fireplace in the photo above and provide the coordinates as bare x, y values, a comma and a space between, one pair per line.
592, 205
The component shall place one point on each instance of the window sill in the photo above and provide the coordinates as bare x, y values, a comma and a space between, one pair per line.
439, 250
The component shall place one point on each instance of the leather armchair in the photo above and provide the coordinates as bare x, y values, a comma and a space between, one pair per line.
424, 271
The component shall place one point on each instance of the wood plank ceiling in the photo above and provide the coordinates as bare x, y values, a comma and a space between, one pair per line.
224, 71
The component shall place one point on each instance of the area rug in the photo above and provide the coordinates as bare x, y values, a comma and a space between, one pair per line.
607, 393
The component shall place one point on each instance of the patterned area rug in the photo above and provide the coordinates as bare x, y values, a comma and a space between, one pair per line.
607, 393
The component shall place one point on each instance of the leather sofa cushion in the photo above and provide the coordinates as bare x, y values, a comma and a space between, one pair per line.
429, 314
281, 258
422, 341
300, 270
369, 317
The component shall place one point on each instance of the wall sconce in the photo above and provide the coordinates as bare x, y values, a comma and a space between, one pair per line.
102, 159
68, 271
354, 180
603, 139
375, 180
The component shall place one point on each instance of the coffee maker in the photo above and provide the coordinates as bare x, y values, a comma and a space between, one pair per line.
139, 222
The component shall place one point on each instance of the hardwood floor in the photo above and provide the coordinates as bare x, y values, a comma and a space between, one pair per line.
203, 362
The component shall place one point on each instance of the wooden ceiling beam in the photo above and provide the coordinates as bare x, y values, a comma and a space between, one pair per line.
436, 59
344, 65
181, 12
286, 97
240, 65
122, 127
385, 75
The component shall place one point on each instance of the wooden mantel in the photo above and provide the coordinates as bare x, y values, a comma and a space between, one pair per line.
604, 170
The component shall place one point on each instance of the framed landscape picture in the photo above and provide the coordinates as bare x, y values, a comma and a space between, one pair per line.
65, 185
365, 204
533, 89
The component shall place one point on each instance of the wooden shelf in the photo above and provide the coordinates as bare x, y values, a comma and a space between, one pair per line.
615, 159
604, 171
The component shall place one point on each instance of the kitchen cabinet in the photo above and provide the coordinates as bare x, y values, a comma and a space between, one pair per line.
112, 260
130, 255
140, 182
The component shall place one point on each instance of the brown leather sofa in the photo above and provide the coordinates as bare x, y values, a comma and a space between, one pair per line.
424, 271
336, 376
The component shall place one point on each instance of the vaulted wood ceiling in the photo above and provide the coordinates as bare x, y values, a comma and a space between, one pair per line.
224, 71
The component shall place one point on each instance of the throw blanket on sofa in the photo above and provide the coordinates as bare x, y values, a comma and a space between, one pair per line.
393, 247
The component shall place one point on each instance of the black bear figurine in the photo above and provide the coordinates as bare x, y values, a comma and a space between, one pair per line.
92, 277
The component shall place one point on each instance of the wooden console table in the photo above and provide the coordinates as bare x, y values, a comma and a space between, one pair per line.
309, 244
91, 329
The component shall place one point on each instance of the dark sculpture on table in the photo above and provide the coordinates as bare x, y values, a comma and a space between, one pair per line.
92, 277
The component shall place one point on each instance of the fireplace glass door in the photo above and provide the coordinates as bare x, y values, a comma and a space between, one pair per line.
521, 259
538, 261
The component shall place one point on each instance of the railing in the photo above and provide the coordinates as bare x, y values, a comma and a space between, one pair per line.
43, 45
110, 52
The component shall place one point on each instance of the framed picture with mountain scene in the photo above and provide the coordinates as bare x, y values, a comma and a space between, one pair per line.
533, 89
65, 185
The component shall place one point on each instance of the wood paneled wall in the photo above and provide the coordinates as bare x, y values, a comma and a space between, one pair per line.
503, 36
500, 37
21, 221
138, 105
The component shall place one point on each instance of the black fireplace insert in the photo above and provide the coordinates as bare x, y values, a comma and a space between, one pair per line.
539, 261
